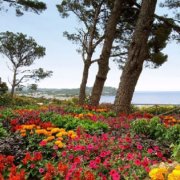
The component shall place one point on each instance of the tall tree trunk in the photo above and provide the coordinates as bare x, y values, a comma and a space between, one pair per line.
82, 91
136, 56
13, 83
103, 64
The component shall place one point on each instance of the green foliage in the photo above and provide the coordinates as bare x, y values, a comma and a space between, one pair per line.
39, 74
68, 122
154, 129
176, 152
158, 109
151, 128
3, 131
6, 114
21, 51
72, 109
26, 5
173, 134
5, 100
140, 126
3, 88
22, 101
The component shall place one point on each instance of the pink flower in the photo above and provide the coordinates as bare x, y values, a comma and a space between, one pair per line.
90, 147
71, 156
130, 156
114, 174
139, 146
150, 151
97, 160
93, 164
137, 162
63, 154
156, 148
43, 143
41, 170
32, 166
159, 155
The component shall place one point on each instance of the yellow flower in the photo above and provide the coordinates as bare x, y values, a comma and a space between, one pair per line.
60, 138
50, 138
55, 130
58, 142
22, 131
73, 136
70, 132
28, 127
49, 128
59, 134
62, 130
41, 131
60, 145
177, 167
158, 173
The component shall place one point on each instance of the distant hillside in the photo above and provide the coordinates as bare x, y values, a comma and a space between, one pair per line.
68, 92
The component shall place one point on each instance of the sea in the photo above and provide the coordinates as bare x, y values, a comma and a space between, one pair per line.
148, 98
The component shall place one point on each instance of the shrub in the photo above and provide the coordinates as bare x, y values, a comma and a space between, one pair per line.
3, 88
173, 134
152, 128
12, 145
176, 152
3, 131
5, 100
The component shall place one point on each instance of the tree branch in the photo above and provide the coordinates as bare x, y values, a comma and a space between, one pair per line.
166, 20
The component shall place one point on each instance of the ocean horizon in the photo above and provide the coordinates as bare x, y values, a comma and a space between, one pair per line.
149, 97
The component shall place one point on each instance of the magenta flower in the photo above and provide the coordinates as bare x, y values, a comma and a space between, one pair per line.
150, 151
41, 170
137, 162
139, 146
43, 143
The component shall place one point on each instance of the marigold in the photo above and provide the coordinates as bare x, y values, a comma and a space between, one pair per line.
57, 142
55, 130
158, 173
41, 132
50, 138
59, 134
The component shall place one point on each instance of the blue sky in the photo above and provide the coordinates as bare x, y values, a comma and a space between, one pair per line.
62, 58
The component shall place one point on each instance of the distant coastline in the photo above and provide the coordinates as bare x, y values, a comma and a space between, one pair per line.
108, 96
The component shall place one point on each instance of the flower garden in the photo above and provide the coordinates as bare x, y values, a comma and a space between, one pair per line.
87, 143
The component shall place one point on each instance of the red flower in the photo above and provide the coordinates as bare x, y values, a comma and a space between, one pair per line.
130, 156
43, 143
137, 162
89, 175
62, 168
37, 156
150, 151
139, 146
50, 168
10, 160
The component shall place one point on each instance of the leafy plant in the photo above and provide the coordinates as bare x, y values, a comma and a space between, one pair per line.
152, 128
173, 134
3, 131
176, 152
140, 126
13, 145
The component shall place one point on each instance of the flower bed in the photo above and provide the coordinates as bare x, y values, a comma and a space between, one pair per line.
85, 143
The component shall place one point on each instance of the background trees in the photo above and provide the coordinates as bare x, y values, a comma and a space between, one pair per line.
24, 5
92, 15
22, 52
